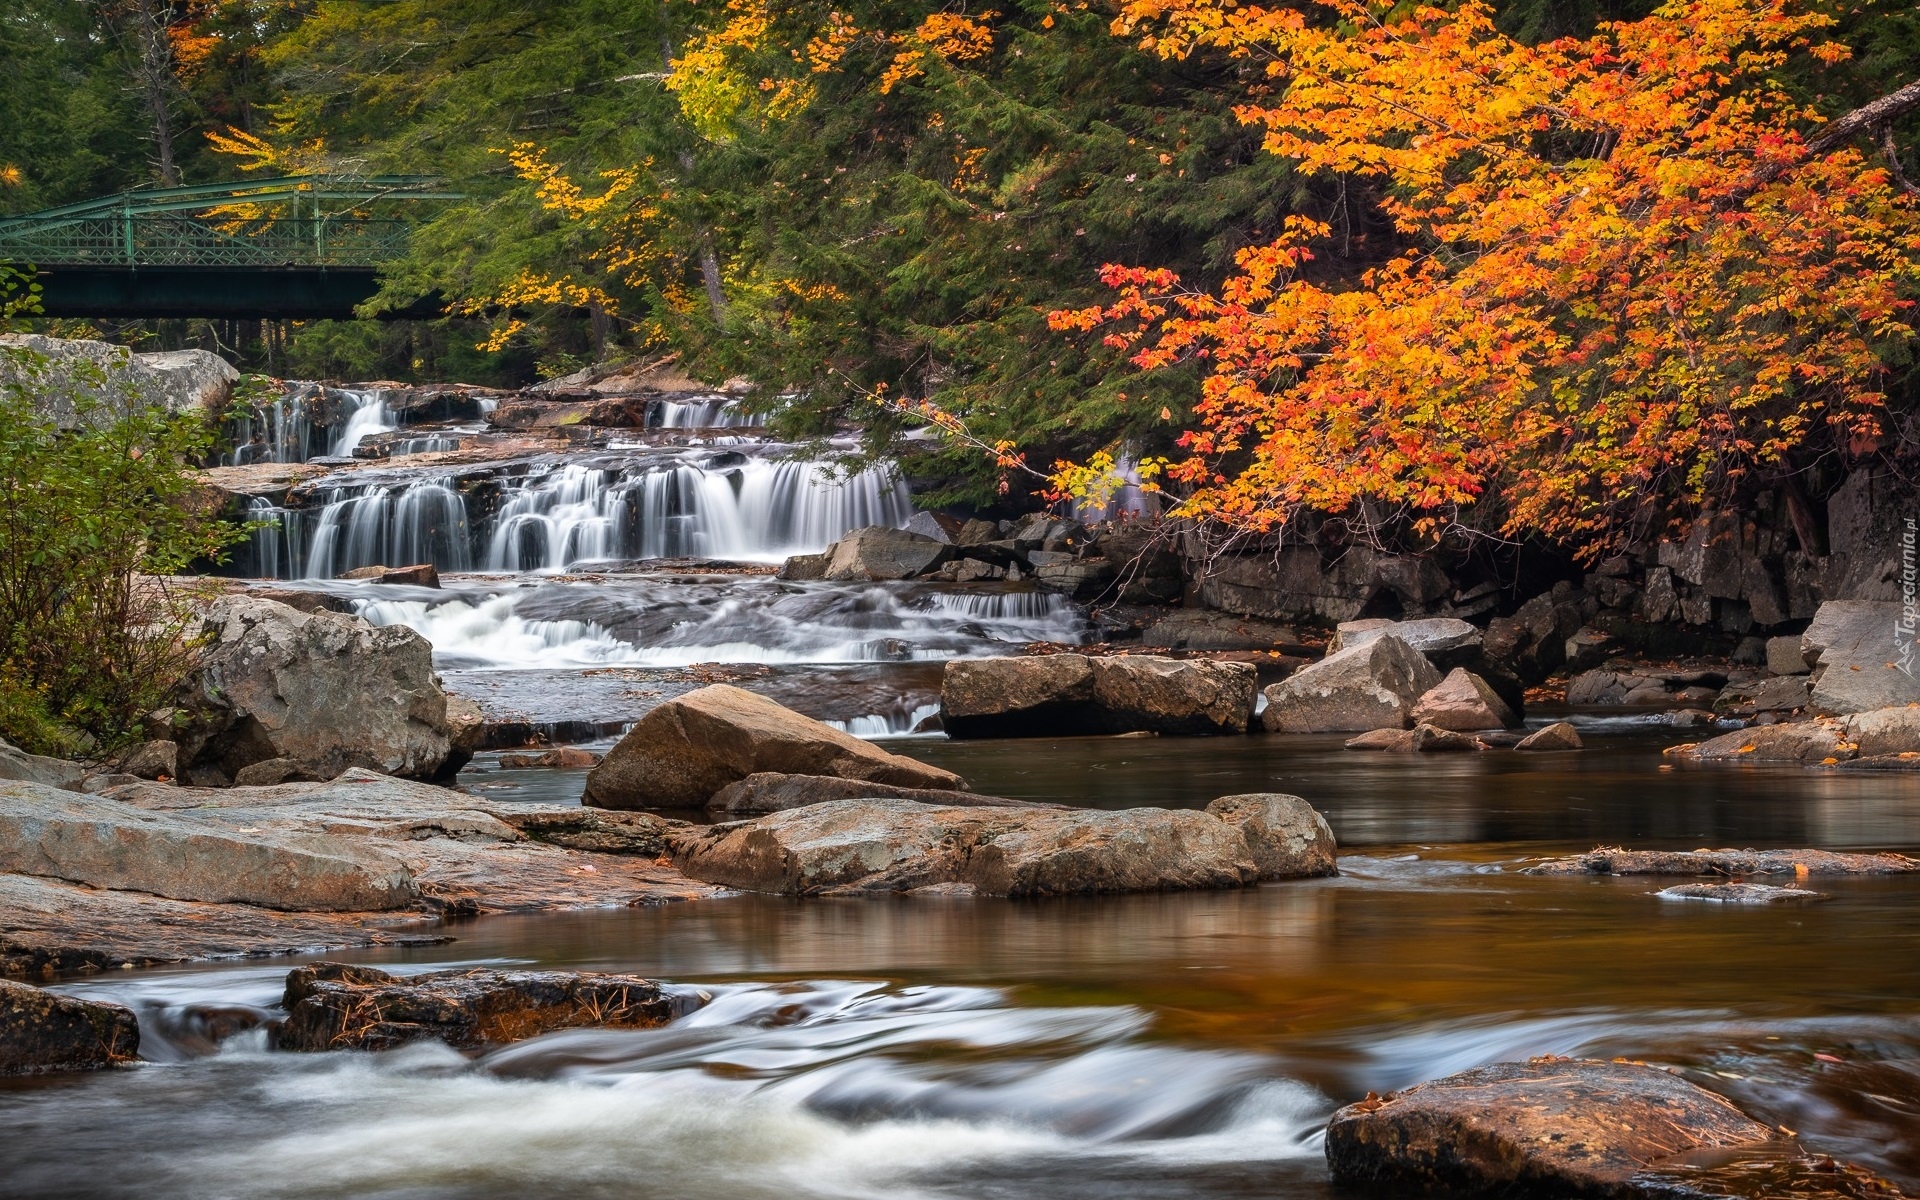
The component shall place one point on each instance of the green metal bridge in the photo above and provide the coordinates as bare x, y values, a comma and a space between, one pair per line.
298, 247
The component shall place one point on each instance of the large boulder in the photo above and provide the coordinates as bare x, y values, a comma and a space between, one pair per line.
334, 1006
867, 847
685, 750
1801, 742
1558, 736
322, 690
1463, 702
1550, 1127
60, 371
1863, 658
1371, 686
1069, 694
878, 552
1431, 636
770, 791
43, 1032
16, 763
107, 844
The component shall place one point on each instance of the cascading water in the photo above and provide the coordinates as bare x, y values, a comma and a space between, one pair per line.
708, 412
285, 431
367, 415
424, 522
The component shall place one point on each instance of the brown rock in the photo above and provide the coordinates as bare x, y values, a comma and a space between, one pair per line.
152, 760
1139, 693
685, 750
1611, 860
1559, 1127
334, 1006
16, 763
602, 831
43, 1032
1397, 740
1011, 697
272, 771
770, 791
1463, 702
1287, 838
1557, 736
1428, 740
418, 575
569, 758
1807, 742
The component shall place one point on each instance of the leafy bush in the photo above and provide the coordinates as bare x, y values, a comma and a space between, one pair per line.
94, 517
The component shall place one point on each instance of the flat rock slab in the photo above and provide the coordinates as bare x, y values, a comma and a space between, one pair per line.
867, 847
43, 1032
107, 844
1739, 893
770, 791
335, 1006
1611, 860
682, 752
1550, 1127
16, 763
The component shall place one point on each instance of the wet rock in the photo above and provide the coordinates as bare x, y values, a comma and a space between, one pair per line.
1431, 636
1557, 736
16, 763
1078, 578
1199, 629
104, 843
1784, 656
1370, 686
878, 552
866, 847
1906, 761
1691, 718
685, 750
113, 377
418, 575
1395, 740
770, 791
1287, 838
1427, 739
1739, 893
1860, 666
805, 566
334, 1006
158, 759
1464, 702
326, 691
44, 1033
599, 830
1560, 1127
566, 758
1612, 860
1808, 742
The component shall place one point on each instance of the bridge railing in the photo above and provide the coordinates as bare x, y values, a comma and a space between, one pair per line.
307, 221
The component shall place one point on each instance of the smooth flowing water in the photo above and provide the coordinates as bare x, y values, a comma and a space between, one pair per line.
1163, 1046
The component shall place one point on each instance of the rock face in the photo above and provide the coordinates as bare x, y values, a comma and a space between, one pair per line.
867, 847
770, 791
1559, 1127
43, 1032
325, 691
107, 844
1288, 839
114, 377
334, 1006
682, 752
1069, 694
1860, 664
1463, 702
879, 552
1372, 686
1296, 582
16, 763
1198, 629
1611, 860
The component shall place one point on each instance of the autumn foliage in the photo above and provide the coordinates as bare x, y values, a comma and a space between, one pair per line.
1630, 288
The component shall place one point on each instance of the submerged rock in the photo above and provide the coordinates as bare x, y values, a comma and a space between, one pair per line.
1463, 702
1611, 860
1550, 1127
1370, 686
108, 844
335, 1006
565, 758
324, 691
866, 847
1064, 695
1738, 893
770, 791
1558, 736
43, 1032
685, 750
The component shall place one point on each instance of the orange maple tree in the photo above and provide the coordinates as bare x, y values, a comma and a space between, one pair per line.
1640, 271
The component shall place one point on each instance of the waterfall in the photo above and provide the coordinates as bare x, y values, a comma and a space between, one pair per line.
367, 415
708, 412
425, 522
281, 432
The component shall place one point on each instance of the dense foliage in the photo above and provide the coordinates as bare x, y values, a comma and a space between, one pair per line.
1494, 264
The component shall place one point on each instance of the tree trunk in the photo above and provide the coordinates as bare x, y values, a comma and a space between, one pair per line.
155, 48
709, 257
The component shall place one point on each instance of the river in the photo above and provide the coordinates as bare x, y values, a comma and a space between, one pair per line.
1185, 1045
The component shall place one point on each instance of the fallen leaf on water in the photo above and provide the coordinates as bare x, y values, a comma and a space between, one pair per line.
1828, 1058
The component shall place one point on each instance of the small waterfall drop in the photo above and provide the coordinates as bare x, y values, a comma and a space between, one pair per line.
367, 415
424, 522
706, 412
